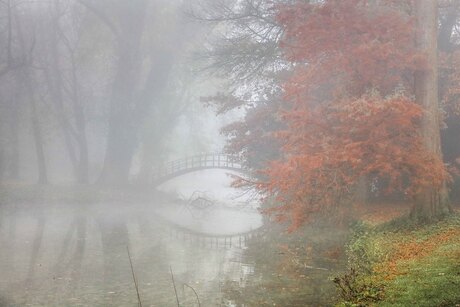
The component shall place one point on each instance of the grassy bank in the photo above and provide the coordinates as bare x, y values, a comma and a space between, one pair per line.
395, 264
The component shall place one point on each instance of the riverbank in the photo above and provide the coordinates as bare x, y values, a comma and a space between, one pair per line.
21, 193
396, 264
390, 262
386, 262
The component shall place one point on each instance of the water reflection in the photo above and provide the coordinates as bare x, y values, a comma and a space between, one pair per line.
62, 254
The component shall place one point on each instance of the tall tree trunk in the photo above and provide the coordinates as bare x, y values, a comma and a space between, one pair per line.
124, 121
122, 135
80, 123
2, 164
54, 83
73, 124
83, 161
153, 134
38, 135
13, 164
433, 202
13, 138
54, 78
38, 138
25, 76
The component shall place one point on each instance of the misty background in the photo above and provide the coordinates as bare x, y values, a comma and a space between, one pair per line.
228, 152
96, 97
103, 91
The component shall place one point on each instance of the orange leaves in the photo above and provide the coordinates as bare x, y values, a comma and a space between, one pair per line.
348, 111
325, 155
414, 249
382, 213
371, 44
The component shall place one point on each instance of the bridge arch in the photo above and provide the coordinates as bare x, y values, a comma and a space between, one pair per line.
194, 163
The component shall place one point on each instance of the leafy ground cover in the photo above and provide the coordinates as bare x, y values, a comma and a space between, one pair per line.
398, 264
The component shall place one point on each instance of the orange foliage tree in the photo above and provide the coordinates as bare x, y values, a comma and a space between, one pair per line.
349, 108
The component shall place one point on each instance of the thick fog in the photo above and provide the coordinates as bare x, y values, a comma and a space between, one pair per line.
220, 152
96, 98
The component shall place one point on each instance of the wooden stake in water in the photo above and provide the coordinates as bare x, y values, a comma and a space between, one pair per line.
134, 278
174, 284
196, 294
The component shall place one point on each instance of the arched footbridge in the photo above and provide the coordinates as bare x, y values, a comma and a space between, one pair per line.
191, 164
194, 163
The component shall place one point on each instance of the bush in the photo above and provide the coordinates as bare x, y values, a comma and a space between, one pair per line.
363, 250
355, 291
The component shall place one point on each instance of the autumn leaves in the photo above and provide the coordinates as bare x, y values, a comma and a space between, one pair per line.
349, 109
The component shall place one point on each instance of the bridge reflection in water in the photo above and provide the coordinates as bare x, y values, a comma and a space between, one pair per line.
208, 240
59, 254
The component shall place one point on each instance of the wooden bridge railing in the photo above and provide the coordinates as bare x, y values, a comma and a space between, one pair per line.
192, 163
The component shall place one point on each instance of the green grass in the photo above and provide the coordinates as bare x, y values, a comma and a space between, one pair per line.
433, 280
414, 266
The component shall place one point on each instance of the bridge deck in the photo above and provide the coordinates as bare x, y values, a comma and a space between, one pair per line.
195, 163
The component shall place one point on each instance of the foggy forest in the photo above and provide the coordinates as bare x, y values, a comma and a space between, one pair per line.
230, 153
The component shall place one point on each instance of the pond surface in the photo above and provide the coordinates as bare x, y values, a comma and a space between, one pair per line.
69, 255
210, 205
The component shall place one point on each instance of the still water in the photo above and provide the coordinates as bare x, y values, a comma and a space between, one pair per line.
69, 255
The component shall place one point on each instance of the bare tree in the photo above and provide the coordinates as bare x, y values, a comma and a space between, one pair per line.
25, 76
64, 88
